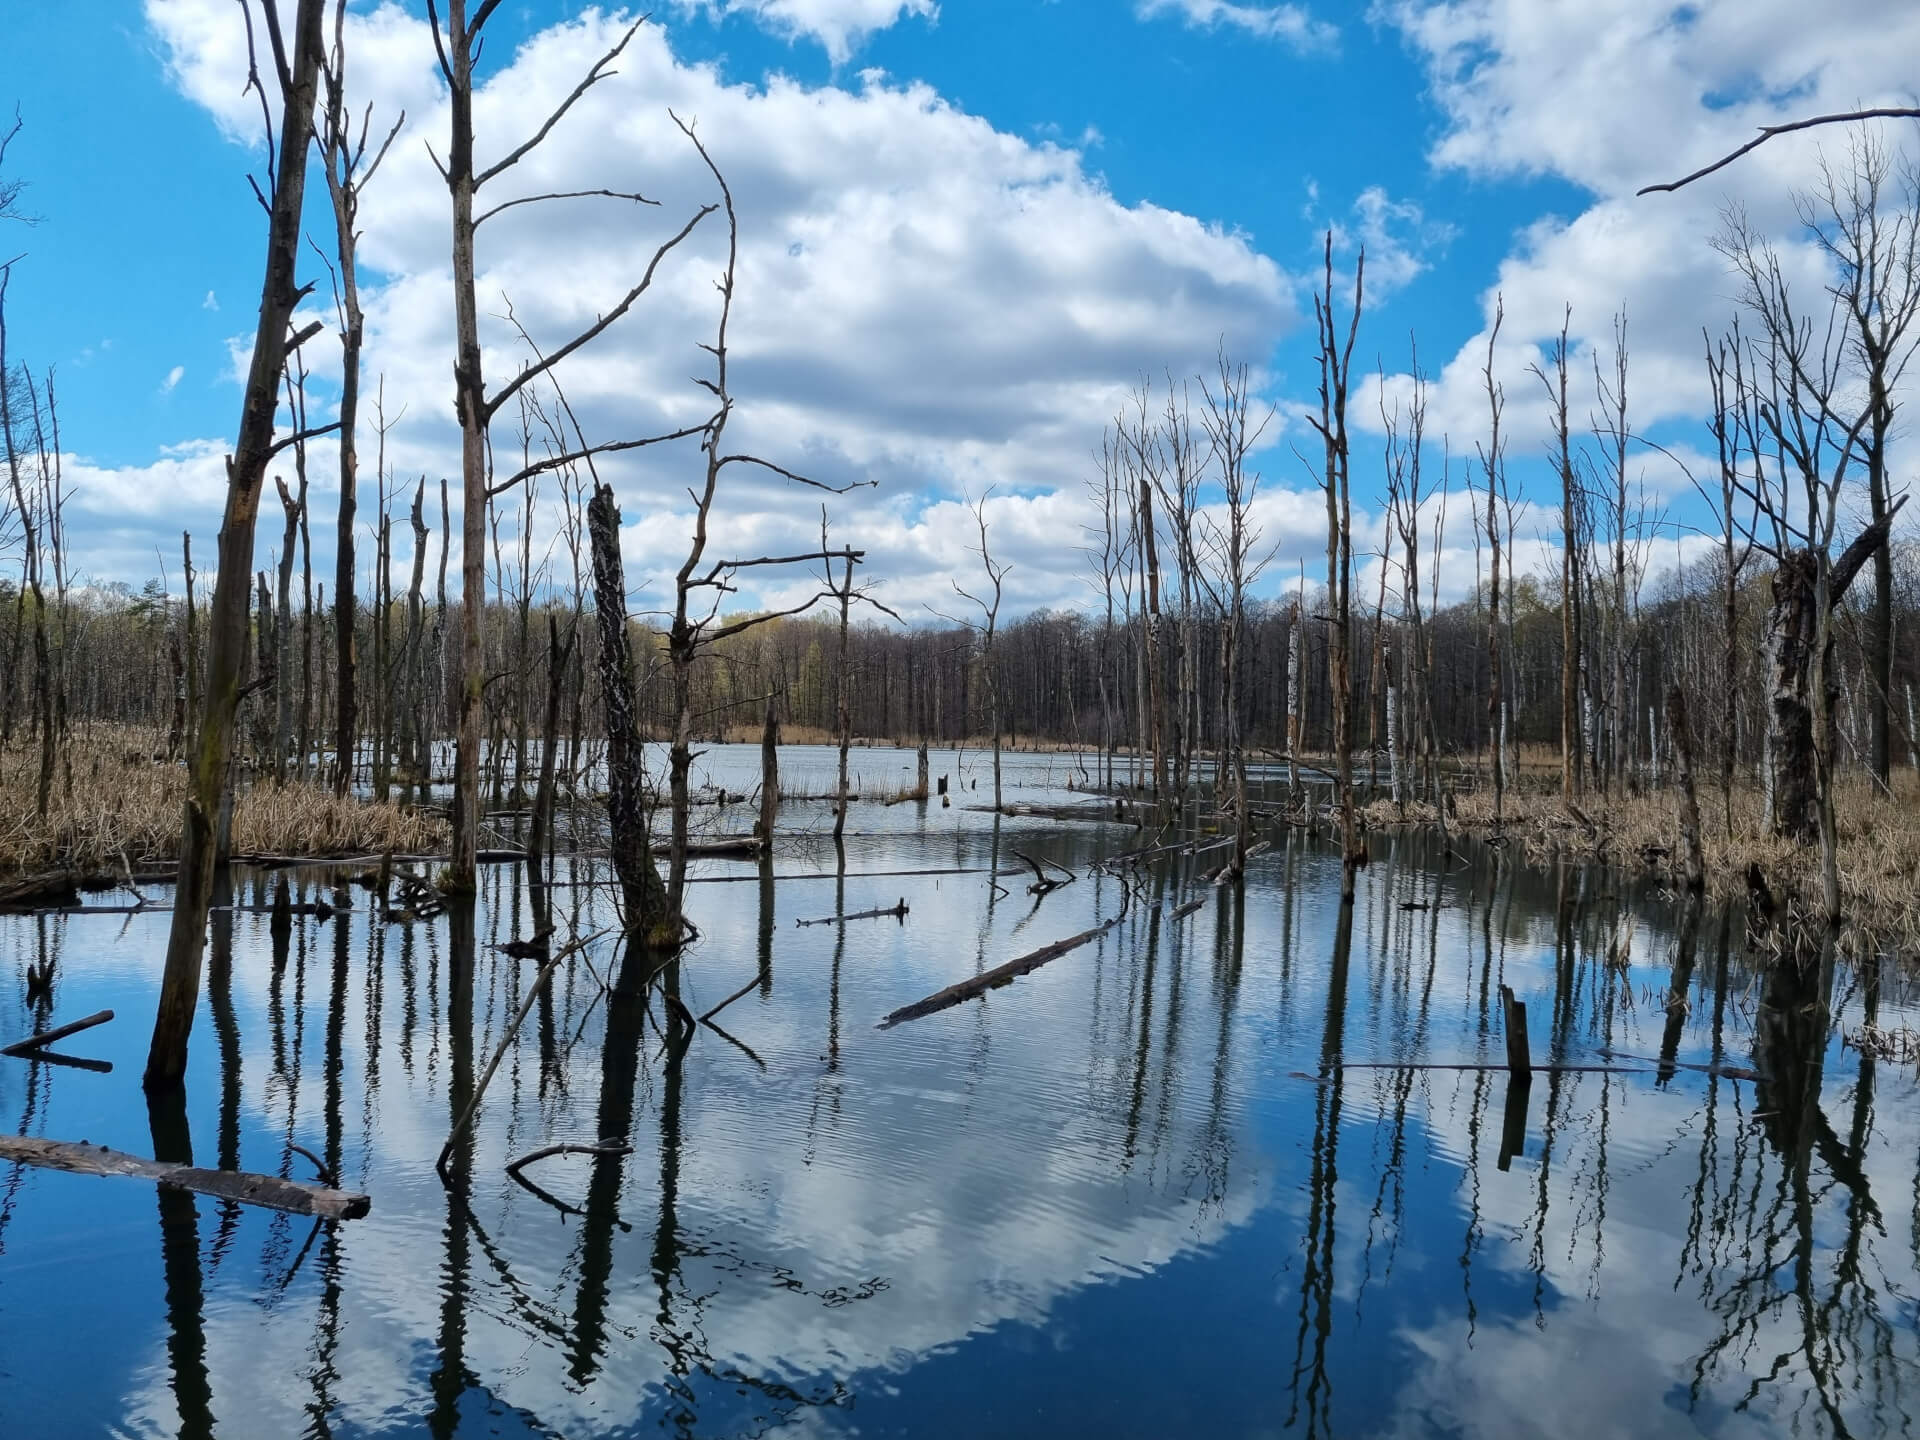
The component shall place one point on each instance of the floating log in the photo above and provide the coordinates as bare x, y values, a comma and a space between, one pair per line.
1187, 909
999, 975
740, 847
59, 1032
892, 912
269, 1190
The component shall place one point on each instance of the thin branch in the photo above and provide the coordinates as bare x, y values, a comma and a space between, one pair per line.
593, 77
1767, 132
638, 199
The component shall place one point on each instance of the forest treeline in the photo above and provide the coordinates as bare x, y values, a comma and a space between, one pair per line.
122, 658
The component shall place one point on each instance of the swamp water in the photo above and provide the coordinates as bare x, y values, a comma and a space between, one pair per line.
1154, 1188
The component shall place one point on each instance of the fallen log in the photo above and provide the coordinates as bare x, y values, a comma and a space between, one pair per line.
32, 892
891, 912
59, 1032
999, 975
268, 1190
740, 847
1187, 909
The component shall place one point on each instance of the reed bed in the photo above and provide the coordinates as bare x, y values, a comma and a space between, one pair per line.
124, 802
1879, 844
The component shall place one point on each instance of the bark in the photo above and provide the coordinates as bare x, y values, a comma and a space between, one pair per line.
227, 620
470, 406
283, 631
649, 917
1689, 803
769, 774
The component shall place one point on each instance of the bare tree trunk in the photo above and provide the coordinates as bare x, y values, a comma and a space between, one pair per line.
770, 773
540, 828
844, 707
283, 632
413, 729
649, 917
246, 473
1696, 871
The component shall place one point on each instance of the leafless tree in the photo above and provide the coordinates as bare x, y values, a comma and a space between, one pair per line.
298, 77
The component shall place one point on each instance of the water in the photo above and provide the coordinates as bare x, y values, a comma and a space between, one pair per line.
1133, 1193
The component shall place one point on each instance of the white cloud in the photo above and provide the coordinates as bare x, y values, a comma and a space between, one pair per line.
838, 25
1612, 96
1292, 25
174, 377
210, 303
922, 299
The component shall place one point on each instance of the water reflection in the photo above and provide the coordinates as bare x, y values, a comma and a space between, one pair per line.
1104, 1198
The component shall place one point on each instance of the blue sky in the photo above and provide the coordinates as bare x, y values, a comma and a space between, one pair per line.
1480, 145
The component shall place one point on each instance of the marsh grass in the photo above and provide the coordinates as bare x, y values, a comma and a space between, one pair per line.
125, 802
1879, 844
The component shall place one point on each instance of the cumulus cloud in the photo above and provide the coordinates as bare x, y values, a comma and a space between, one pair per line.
922, 299
1291, 25
838, 25
1612, 96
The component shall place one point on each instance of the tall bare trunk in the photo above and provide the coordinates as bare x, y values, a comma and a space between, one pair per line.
227, 620
649, 917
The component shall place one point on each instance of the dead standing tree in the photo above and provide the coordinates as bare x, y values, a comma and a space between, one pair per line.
457, 45
1493, 463
1233, 433
1336, 366
1798, 373
348, 172
254, 448
984, 628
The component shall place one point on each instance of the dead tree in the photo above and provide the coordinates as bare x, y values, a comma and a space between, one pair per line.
1572, 544
255, 446
1233, 432
1336, 361
348, 170
649, 918
984, 628
457, 46
1493, 464
1872, 243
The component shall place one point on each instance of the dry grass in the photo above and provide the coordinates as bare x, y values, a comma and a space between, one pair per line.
1879, 843
123, 802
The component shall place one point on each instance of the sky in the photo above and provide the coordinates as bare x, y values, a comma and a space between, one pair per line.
969, 231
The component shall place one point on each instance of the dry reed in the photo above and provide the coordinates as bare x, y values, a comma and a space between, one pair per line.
125, 802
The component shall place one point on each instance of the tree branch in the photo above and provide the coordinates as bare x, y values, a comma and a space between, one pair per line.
1767, 132
593, 77
561, 195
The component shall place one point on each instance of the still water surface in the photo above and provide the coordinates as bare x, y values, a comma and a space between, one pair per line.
1181, 1181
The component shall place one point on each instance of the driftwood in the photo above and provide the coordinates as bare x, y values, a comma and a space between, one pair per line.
59, 1032
733, 847
999, 975
1043, 883
1187, 909
892, 912
268, 1190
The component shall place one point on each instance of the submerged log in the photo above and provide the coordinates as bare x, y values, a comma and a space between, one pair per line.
999, 975
896, 911
59, 1032
268, 1190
